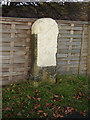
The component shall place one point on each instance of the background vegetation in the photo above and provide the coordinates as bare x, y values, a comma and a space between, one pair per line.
61, 11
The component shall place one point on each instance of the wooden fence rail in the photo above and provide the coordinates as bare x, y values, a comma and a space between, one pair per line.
15, 47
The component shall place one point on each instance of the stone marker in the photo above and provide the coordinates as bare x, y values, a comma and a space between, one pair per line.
44, 46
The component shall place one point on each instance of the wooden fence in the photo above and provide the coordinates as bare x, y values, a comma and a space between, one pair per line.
72, 54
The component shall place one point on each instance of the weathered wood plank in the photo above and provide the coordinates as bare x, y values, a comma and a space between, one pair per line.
72, 36
13, 48
22, 27
88, 68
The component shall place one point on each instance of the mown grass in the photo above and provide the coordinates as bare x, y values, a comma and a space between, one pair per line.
48, 100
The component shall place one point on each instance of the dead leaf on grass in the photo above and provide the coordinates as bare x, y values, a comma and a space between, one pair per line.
6, 115
28, 97
13, 97
35, 91
41, 116
80, 94
8, 89
62, 97
46, 104
56, 96
31, 112
45, 114
33, 98
38, 99
58, 115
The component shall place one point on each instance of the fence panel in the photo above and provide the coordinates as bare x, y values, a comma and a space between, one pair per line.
15, 47
72, 47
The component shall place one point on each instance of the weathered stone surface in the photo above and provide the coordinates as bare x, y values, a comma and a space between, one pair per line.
44, 49
47, 31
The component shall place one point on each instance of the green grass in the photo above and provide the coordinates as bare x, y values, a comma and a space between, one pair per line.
25, 100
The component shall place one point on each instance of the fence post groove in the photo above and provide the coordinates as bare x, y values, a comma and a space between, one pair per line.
89, 50
80, 57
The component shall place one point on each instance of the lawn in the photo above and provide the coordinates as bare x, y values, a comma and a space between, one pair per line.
47, 100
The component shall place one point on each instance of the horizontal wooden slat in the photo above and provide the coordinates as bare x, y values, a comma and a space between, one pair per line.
74, 39
71, 36
10, 73
22, 27
70, 27
63, 32
12, 48
71, 62
7, 22
73, 65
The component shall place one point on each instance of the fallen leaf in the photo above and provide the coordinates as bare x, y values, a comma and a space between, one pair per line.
41, 116
8, 89
75, 110
59, 108
13, 97
80, 94
39, 111
35, 107
45, 114
51, 97
37, 94
56, 96
13, 103
50, 104
31, 112
54, 106
57, 83
62, 97
54, 115
85, 111
8, 108
38, 105
19, 114
6, 115
58, 115
56, 111
84, 114
33, 98
46, 100
60, 100
81, 113
46, 104
60, 80
28, 97
9, 98
38, 99
35, 91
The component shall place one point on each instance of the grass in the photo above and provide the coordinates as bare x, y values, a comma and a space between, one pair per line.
48, 100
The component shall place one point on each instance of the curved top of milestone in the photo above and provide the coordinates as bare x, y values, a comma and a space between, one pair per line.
44, 25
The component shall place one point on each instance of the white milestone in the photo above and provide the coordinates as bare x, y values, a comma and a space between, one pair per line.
47, 32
